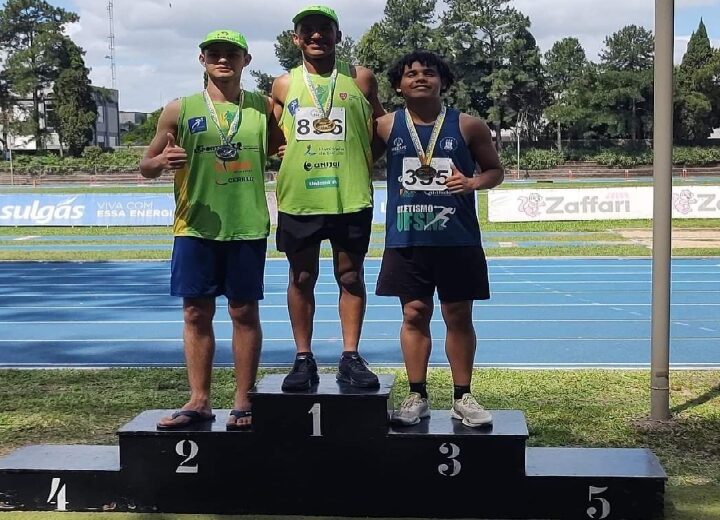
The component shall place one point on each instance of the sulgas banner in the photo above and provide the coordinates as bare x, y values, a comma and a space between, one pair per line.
110, 209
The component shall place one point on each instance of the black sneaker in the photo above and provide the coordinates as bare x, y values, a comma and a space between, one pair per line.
354, 370
303, 375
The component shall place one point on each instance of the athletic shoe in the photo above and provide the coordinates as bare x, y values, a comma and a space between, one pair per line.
303, 375
470, 412
354, 370
412, 409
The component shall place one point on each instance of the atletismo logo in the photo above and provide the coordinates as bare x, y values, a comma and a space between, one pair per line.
43, 214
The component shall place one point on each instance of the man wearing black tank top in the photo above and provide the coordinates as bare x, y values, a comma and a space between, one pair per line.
437, 159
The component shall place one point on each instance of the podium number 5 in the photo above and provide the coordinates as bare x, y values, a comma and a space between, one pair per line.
315, 412
592, 511
453, 466
193, 450
59, 493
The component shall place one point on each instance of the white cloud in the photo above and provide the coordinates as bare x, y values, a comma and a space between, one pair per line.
156, 40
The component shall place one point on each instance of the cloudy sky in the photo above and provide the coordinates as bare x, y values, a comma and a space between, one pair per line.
156, 40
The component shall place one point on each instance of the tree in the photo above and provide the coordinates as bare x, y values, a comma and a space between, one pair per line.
263, 81
404, 28
286, 51
478, 36
697, 99
627, 82
74, 110
565, 63
144, 132
30, 34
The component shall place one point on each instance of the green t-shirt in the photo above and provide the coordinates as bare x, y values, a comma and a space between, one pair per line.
325, 173
215, 199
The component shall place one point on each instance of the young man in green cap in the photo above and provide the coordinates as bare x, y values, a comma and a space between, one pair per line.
217, 142
326, 109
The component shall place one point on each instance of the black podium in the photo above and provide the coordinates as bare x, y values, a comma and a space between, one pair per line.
332, 451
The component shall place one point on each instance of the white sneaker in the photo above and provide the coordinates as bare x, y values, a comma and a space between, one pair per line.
470, 412
412, 409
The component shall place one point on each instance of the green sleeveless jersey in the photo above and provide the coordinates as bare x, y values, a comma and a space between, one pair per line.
325, 172
215, 199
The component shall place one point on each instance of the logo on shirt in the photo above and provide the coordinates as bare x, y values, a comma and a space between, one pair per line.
399, 147
449, 144
423, 217
343, 95
293, 106
197, 125
322, 165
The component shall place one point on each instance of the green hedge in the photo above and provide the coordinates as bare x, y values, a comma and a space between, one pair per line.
95, 160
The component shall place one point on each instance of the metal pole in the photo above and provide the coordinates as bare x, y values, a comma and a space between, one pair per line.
518, 149
12, 176
662, 210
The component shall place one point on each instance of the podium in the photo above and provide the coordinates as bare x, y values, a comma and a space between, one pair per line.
331, 451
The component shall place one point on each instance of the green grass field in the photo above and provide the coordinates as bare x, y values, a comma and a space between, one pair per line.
595, 408
591, 408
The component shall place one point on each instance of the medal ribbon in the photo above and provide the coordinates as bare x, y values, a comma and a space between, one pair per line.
313, 91
234, 125
425, 156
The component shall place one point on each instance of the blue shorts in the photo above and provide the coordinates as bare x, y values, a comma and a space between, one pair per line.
203, 268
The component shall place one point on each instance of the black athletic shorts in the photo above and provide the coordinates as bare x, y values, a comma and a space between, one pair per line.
348, 231
458, 273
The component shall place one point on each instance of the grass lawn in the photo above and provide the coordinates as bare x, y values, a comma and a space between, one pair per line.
590, 408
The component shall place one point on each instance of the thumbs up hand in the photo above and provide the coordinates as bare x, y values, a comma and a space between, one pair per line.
173, 156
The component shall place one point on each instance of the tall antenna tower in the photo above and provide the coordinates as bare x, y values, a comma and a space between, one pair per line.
111, 44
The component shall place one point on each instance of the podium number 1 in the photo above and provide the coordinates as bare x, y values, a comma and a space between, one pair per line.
315, 412
58, 492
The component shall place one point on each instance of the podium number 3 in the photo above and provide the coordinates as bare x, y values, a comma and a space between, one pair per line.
315, 412
59, 493
592, 511
452, 467
185, 466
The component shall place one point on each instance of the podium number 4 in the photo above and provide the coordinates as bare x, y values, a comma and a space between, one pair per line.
58, 492
592, 511
185, 466
452, 467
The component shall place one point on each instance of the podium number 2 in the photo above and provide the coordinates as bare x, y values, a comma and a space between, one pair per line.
184, 466
59, 493
452, 467
315, 412
592, 511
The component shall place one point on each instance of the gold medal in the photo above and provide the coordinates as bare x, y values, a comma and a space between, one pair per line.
426, 172
324, 125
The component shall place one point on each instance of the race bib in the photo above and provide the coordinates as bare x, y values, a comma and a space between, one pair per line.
309, 125
412, 182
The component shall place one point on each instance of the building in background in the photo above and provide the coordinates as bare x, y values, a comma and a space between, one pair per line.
107, 125
130, 120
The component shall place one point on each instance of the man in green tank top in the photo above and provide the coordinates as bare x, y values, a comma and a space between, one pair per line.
326, 109
216, 143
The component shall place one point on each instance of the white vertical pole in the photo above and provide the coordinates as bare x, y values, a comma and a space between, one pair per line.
662, 210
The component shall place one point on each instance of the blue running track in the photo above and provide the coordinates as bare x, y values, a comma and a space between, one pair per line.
569, 312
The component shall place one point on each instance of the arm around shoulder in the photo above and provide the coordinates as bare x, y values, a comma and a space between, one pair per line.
367, 82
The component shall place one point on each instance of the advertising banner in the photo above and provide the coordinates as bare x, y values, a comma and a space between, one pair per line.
111, 209
528, 205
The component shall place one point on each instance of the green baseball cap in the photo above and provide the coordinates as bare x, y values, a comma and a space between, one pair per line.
316, 9
225, 36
